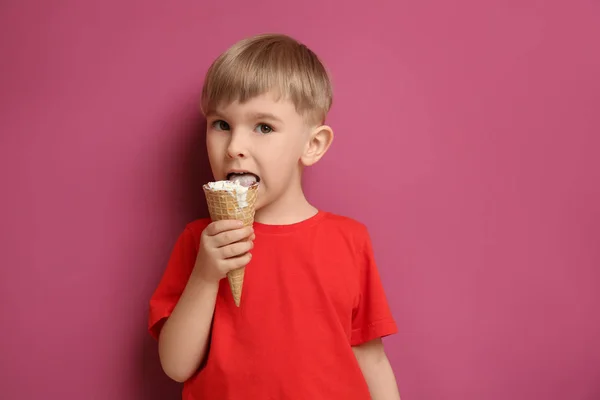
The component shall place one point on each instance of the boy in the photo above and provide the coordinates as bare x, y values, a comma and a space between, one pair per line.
313, 310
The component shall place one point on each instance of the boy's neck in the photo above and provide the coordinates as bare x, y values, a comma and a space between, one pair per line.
291, 208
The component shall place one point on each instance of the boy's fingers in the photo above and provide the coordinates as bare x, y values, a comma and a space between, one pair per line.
238, 262
236, 249
217, 227
228, 237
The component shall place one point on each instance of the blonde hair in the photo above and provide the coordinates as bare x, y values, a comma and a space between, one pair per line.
269, 62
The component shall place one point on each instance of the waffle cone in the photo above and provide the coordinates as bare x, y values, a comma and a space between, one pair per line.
224, 205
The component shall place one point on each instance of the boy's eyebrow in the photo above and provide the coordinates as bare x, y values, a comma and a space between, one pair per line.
262, 115
213, 114
255, 116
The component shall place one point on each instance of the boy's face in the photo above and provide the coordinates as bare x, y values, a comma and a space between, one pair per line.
265, 138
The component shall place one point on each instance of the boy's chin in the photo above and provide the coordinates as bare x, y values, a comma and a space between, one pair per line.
258, 208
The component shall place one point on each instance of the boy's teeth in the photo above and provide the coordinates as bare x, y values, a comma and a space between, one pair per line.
243, 179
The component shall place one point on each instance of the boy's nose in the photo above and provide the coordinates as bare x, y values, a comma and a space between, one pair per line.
236, 148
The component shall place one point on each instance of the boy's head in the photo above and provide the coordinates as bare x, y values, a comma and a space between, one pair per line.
269, 63
265, 100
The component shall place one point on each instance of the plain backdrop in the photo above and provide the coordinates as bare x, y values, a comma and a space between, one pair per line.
467, 139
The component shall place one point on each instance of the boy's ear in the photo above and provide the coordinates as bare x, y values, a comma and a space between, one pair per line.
318, 143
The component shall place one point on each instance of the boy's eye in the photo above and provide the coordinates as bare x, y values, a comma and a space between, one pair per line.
221, 125
264, 128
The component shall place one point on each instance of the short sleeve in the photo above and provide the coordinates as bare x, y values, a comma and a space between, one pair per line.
371, 318
173, 281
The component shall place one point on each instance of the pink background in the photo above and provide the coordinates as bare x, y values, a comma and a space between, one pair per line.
473, 128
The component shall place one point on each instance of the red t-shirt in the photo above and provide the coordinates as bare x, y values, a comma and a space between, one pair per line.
311, 291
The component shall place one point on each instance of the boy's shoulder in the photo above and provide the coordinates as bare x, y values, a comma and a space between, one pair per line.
348, 224
345, 228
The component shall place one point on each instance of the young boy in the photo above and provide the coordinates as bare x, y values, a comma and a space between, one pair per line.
313, 310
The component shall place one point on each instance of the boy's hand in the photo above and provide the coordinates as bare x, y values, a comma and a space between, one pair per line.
224, 246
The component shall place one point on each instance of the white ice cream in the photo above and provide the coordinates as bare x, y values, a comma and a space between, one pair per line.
240, 192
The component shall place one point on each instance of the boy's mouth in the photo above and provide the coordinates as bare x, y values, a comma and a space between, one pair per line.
243, 178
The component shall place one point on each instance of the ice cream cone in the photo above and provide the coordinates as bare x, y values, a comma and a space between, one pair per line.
227, 204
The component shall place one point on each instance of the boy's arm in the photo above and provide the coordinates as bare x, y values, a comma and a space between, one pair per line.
187, 294
377, 370
184, 337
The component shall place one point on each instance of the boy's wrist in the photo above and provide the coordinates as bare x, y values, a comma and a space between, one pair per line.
198, 288
198, 278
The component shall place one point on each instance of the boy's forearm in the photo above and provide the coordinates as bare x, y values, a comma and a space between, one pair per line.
381, 381
183, 340
377, 370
